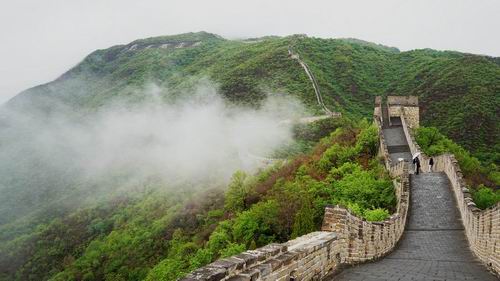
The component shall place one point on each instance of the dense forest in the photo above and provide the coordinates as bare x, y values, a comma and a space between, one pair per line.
131, 218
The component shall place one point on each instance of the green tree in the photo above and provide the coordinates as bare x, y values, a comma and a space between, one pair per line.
236, 193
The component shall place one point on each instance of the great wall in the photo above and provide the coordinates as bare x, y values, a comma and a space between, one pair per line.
436, 233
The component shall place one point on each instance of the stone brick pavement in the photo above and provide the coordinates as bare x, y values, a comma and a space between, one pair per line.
434, 245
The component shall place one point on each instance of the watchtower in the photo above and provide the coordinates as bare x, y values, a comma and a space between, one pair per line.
397, 106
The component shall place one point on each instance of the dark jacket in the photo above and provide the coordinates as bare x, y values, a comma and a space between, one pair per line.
431, 162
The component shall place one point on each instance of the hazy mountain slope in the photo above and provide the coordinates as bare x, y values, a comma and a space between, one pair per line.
459, 92
350, 72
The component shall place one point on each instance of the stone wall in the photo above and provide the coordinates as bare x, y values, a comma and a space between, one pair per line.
309, 257
377, 111
411, 101
364, 241
482, 227
383, 151
344, 239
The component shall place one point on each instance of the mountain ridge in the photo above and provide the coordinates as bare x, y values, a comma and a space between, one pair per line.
350, 72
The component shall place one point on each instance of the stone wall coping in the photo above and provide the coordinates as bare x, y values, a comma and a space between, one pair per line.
402, 101
260, 263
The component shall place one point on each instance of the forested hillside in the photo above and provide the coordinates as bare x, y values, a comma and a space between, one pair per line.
459, 93
130, 166
158, 235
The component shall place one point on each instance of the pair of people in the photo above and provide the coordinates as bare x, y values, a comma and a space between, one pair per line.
416, 162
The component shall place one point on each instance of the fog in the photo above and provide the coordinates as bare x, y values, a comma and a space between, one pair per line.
197, 140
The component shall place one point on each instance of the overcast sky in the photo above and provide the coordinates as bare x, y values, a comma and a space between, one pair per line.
42, 39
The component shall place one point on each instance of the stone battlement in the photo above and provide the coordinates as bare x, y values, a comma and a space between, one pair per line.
408, 101
307, 257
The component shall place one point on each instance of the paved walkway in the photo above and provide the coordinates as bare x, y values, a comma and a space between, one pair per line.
433, 246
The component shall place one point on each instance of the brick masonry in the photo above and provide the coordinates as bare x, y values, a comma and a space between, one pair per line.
308, 257
406, 104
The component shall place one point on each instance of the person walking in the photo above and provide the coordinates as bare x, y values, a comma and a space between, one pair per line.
431, 163
416, 162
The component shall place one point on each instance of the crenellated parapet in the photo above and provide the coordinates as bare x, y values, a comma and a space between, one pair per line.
309, 257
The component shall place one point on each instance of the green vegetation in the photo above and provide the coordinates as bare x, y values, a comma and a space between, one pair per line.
485, 197
162, 235
458, 92
484, 179
161, 232
288, 200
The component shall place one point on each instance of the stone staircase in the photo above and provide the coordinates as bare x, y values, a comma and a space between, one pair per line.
434, 245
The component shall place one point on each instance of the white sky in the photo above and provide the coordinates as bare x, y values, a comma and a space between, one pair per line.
40, 40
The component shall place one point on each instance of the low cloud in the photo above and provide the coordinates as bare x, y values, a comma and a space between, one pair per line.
200, 139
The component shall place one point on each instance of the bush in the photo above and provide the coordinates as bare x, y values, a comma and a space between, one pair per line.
304, 222
236, 193
367, 141
345, 169
361, 187
485, 197
376, 214
336, 155
257, 225
232, 249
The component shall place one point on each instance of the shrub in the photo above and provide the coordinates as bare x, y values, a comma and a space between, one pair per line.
376, 214
304, 222
363, 188
367, 141
257, 225
336, 155
236, 193
232, 249
485, 197
345, 169
355, 209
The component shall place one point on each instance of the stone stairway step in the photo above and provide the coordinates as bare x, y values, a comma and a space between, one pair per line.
398, 148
